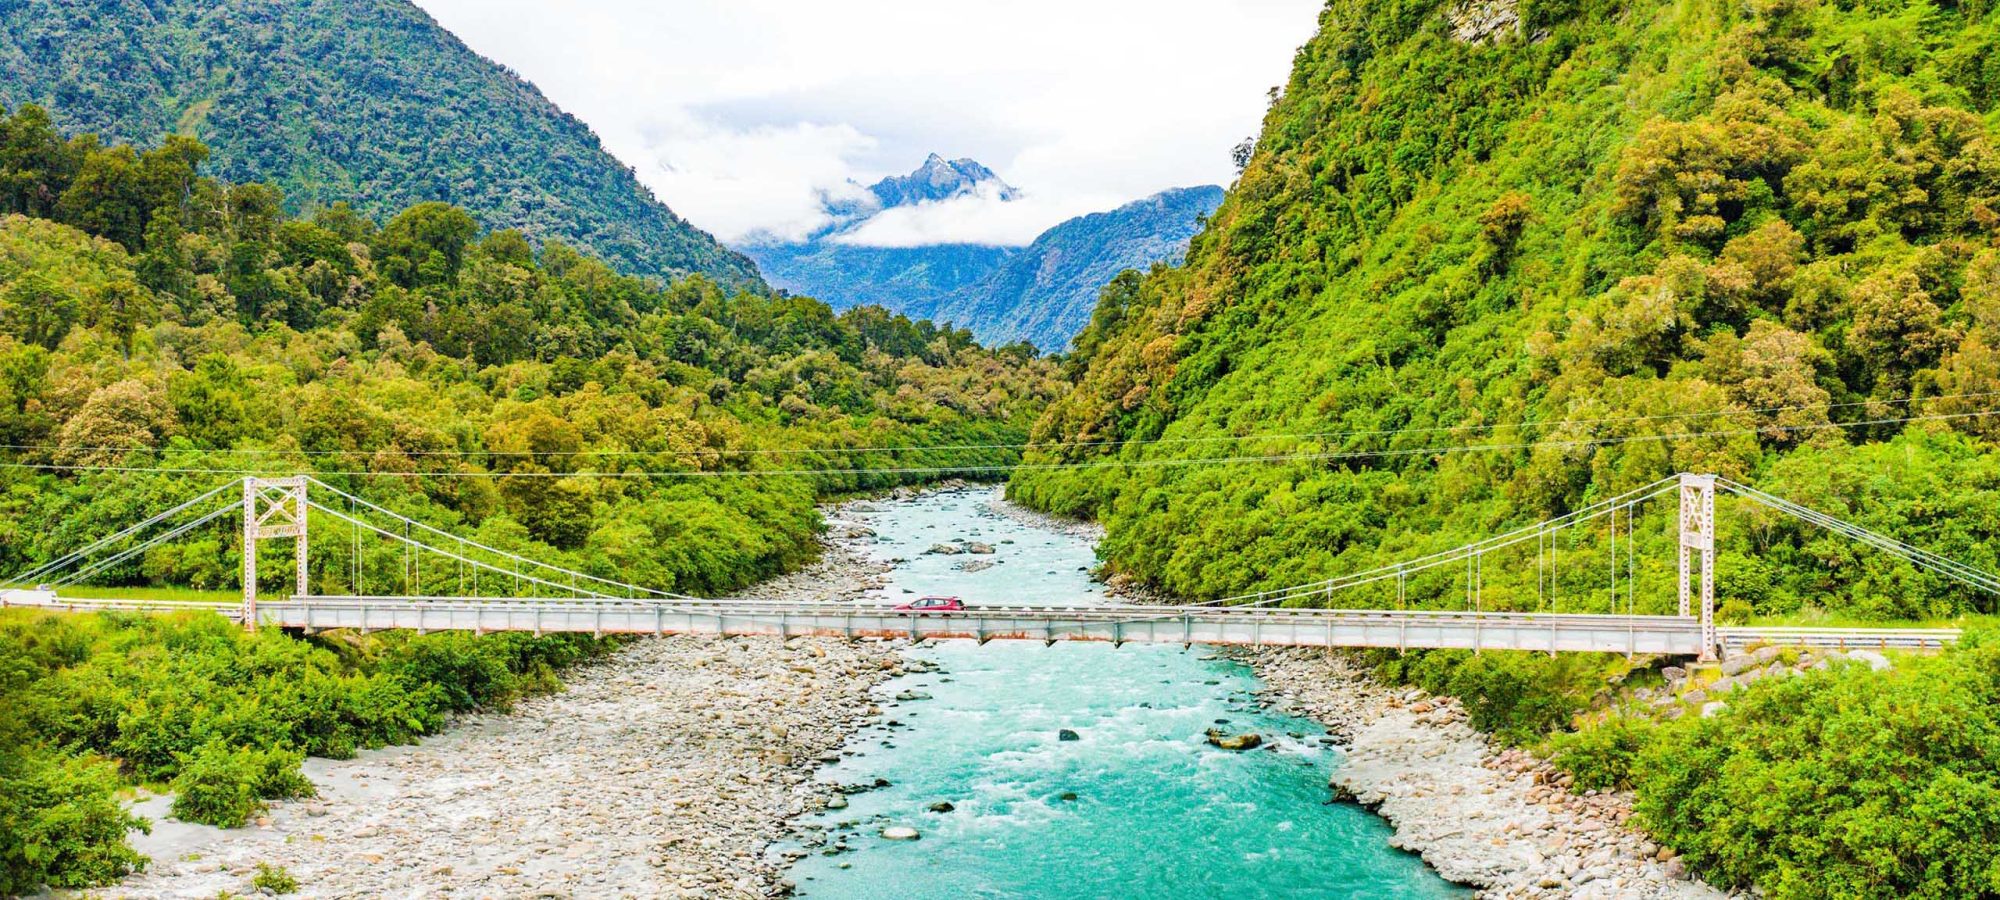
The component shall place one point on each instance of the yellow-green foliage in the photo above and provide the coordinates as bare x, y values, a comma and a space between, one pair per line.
1838, 783
1624, 241
274, 879
1516, 696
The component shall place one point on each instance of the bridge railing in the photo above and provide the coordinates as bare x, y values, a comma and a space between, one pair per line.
1841, 638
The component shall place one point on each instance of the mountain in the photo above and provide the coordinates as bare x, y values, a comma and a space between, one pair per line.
370, 102
1491, 262
909, 280
937, 179
1041, 293
1044, 294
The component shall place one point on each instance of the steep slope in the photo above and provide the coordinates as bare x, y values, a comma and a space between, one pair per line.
370, 102
910, 280
1495, 270
1044, 293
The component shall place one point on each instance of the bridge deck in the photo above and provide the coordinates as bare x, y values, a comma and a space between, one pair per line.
1403, 629
1154, 624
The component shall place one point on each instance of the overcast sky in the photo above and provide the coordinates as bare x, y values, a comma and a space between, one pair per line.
738, 112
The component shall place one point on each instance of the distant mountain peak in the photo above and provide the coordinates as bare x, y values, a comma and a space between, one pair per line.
938, 179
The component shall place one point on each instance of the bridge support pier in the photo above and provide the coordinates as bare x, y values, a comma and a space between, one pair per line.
1697, 538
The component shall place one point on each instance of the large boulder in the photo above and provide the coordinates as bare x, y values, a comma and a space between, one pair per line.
1736, 665
1875, 660
1248, 740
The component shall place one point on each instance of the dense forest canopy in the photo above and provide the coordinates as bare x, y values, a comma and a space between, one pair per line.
368, 102
1613, 242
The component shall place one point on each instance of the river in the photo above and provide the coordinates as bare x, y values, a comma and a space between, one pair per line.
1137, 804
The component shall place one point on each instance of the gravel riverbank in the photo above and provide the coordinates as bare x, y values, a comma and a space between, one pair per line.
665, 770
1483, 816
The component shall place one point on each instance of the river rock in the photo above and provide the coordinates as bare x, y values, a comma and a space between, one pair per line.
977, 547
1064, 734
900, 833
945, 549
1248, 740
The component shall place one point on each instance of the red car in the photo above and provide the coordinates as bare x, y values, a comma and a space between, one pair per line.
933, 604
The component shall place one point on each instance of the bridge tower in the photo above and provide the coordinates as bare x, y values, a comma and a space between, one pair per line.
1697, 528
272, 508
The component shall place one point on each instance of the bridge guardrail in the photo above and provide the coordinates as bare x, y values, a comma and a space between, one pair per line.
1842, 638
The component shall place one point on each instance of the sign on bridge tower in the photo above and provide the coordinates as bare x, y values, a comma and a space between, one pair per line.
272, 508
1697, 528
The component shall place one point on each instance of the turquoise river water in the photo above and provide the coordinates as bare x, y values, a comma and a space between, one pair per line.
1156, 811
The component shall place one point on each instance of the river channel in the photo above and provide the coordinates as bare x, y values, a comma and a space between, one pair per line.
1137, 804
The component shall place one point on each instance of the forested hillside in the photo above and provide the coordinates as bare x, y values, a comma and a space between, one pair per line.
1044, 292
906, 279
1491, 277
153, 317
368, 102
162, 333
1489, 263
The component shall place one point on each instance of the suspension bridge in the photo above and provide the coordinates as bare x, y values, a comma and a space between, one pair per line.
382, 584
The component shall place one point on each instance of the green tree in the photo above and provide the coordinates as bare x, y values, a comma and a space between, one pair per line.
36, 311
425, 244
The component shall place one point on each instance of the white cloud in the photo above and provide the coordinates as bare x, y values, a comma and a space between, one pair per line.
980, 217
763, 179
736, 112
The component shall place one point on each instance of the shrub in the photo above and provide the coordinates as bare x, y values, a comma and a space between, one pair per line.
224, 786
218, 786
61, 823
279, 776
1515, 696
1601, 755
274, 879
467, 671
